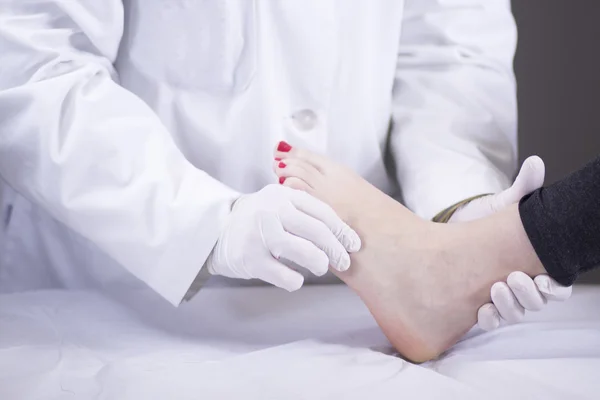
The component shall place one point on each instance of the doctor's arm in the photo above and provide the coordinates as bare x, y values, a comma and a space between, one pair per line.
454, 113
99, 160
94, 155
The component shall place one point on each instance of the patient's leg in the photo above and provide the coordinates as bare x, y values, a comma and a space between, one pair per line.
562, 222
423, 282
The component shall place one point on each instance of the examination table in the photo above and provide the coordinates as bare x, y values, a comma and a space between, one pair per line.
264, 343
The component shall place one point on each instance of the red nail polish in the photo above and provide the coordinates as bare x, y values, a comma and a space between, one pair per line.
277, 159
281, 165
284, 147
281, 180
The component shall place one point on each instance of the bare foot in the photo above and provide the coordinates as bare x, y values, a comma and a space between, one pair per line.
423, 282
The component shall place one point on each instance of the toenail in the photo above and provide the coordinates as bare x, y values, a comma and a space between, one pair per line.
281, 165
281, 179
277, 159
284, 147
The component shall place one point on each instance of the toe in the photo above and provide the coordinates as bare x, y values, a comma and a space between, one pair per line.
295, 183
285, 151
294, 168
316, 160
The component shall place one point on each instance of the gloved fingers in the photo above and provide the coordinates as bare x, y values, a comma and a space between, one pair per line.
277, 274
303, 253
531, 177
506, 303
525, 291
321, 211
283, 245
306, 227
551, 289
488, 317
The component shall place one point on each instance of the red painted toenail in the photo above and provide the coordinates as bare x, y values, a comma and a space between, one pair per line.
284, 147
281, 165
277, 159
281, 180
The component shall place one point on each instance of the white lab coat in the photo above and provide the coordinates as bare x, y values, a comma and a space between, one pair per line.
128, 127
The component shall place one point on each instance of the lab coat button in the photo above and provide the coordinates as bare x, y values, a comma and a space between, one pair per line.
305, 120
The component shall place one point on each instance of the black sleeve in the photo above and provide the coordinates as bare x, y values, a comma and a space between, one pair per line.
562, 222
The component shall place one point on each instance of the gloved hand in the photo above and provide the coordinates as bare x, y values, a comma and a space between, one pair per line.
275, 226
510, 299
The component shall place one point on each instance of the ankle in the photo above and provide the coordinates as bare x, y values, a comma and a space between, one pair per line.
516, 240
496, 246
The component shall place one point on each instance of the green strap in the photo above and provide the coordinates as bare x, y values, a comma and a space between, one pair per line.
445, 215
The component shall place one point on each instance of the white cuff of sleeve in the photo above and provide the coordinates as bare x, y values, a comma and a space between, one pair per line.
427, 199
178, 268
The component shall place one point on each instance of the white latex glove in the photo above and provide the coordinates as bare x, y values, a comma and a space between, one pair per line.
279, 225
510, 299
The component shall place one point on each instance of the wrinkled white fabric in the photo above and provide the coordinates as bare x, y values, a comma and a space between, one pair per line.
128, 128
317, 343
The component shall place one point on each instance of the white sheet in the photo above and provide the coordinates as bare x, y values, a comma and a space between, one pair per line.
263, 343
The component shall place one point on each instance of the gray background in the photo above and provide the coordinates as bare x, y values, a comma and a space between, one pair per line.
558, 73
